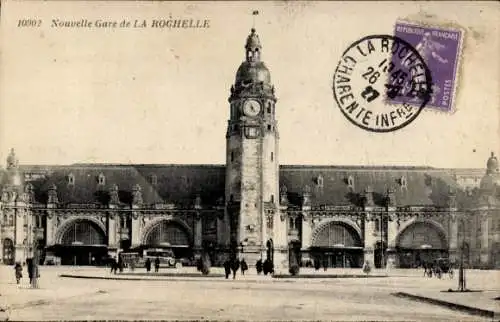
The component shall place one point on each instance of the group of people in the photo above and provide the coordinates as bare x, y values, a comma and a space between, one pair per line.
30, 267
233, 265
148, 264
117, 264
265, 267
430, 269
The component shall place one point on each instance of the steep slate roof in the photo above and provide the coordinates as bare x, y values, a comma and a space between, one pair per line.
180, 184
424, 186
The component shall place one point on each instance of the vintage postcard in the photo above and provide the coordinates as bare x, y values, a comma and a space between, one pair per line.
249, 160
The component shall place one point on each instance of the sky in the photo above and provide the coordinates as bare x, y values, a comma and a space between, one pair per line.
153, 95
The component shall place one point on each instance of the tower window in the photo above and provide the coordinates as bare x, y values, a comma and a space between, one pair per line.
403, 182
320, 181
272, 156
350, 182
269, 127
101, 179
232, 156
71, 179
153, 179
269, 108
272, 198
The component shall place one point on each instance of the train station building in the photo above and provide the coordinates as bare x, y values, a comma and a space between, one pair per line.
252, 206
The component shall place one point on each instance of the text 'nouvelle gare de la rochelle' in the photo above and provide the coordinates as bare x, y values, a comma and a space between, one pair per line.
136, 23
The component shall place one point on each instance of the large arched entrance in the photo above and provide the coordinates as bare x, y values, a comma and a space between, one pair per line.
8, 252
81, 242
170, 234
420, 243
337, 244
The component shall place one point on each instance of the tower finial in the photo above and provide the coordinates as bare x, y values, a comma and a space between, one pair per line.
254, 13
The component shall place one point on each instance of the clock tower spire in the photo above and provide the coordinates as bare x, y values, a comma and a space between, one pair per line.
252, 188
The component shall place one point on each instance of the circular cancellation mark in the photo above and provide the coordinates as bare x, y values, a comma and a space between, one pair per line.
381, 83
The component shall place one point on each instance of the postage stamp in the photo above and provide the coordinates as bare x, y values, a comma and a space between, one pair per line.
440, 48
375, 70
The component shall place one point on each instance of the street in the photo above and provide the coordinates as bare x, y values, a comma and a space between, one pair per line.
247, 298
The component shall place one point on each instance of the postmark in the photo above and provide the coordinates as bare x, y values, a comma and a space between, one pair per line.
372, 73
440, 48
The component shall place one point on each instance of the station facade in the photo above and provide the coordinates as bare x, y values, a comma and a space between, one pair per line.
253, 207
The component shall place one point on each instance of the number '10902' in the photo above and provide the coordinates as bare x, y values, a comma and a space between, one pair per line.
29, 23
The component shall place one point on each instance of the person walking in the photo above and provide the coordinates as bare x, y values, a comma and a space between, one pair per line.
367, 268
148, 265
235, 266
29, 267
121, 264
19, 272
227, 268
244, 266
114, 266
317, 264
258, 266
157, 264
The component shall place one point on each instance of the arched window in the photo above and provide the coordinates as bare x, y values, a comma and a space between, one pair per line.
350, 182
403, 182
101, 179
319, 181
71, 178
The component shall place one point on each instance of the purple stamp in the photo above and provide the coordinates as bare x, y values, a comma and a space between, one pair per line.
440, 49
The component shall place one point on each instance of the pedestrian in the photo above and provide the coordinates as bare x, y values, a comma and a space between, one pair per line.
367, 268
258, 266
148, 265
235, 266
157, 264
227, 268
325, 264
114, 266
19, 272
29, 267
121, 265
317, 264
244, 266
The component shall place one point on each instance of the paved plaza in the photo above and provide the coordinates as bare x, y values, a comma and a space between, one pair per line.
250, 297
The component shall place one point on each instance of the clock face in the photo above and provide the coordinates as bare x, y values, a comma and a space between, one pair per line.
251, 108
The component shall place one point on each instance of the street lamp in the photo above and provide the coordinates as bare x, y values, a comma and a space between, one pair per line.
461, 272
382, 241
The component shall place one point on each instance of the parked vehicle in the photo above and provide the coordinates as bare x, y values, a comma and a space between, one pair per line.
51, 259
166, 256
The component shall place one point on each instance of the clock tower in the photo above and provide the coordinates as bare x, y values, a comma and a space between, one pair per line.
252, 188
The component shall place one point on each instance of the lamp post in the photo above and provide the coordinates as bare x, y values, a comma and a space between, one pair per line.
382, 248
461, 272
